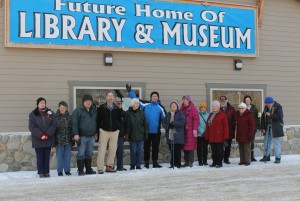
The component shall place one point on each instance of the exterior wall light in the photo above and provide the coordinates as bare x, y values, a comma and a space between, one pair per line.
108, 59
238, 64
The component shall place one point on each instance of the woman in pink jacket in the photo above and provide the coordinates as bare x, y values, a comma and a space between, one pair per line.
190, 130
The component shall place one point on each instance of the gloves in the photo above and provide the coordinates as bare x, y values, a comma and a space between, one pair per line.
195, 133
44, 136
225, 144
171, 126
128, 87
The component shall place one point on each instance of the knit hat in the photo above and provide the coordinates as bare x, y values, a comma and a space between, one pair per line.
243, 105
203, 104
154, 92
176, 102
87, 97
269, 100
63, 103
247, 96
187, 97
39, 100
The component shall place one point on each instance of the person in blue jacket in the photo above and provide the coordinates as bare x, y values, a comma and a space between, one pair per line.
155, 113
202, 143
174, 124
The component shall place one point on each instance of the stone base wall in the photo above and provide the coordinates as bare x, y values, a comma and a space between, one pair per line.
17, 154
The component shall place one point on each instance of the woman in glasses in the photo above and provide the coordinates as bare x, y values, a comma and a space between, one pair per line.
244, 133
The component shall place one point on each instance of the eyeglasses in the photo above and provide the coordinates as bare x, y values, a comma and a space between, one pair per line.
241, 108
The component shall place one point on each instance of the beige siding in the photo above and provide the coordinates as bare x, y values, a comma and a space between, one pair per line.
26, 74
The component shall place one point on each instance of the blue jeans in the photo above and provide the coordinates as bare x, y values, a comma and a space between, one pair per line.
268, 142
136, 152
120, 153
63, 157
86, 147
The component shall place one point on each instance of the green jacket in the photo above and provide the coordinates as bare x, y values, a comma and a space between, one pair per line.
136, 126
84, 123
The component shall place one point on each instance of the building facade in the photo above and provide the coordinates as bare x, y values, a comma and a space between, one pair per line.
56, 74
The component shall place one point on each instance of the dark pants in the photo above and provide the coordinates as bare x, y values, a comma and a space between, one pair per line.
217, 153
43, 160
177, 155
154, 140
188, 156
227, 150
202, 149
120, 153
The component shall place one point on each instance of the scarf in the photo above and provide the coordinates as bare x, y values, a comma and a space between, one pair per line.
172, 131
212, 117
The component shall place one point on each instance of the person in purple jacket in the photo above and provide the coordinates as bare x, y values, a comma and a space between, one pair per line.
191, 129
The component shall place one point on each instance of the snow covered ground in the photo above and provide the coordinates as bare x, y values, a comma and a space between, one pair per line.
259, 181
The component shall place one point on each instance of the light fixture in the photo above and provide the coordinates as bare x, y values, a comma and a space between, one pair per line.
238, 64
108, 59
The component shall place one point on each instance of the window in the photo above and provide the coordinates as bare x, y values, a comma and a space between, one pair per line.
98, 89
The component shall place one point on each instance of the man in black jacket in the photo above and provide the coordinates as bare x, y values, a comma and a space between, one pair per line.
108, 123
272, 128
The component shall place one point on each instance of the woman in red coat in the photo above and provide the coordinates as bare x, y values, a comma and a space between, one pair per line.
190, 130
244, 133
216, 133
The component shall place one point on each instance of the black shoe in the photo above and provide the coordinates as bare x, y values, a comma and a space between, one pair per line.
68, 173
47, 175
156, 165
205, 164
185, 164
219, 166
226, 161
138, 167
146, 164
242, 163
81, 173
100, 172
60, 174
42, 175
122, 169
247, 164
252, 157
200, 164
212, 165
277, 160
132, 167
265, 159
190, 164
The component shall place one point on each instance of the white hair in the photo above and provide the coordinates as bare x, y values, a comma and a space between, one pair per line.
134, 101
216, 103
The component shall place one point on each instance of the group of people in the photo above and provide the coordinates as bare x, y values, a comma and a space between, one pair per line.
186, 128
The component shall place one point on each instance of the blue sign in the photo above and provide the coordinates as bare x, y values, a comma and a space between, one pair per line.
133, 25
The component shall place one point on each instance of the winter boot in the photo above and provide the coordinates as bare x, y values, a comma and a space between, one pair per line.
146, 164
80, 164
277, 160
88, 167
252, 157
265, 159
156, 165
